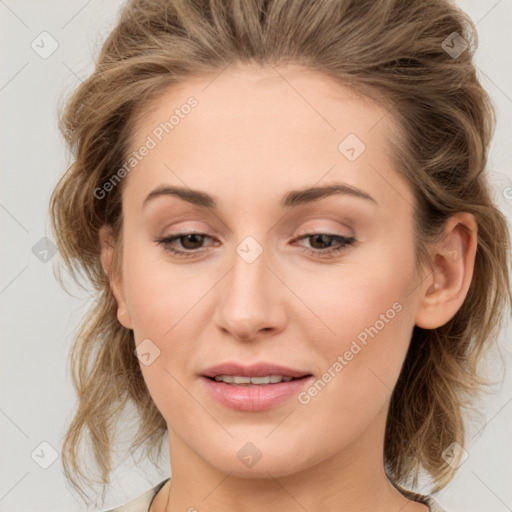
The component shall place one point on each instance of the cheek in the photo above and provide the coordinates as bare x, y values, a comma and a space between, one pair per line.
362, 291
373, 323
164, 301
157, 292
160, 299
367, 317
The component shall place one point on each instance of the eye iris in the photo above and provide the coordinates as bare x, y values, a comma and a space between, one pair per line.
324, 240
197, 237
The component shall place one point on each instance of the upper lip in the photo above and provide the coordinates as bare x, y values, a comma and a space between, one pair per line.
255, 370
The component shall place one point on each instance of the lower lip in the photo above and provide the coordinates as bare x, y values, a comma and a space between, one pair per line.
254, 397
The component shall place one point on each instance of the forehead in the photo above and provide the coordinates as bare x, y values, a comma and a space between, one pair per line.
260, 97
252, 126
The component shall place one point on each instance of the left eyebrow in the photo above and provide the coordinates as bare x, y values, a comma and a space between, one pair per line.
290, 199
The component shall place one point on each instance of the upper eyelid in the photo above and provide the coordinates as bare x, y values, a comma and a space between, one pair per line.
303, 232
319, 230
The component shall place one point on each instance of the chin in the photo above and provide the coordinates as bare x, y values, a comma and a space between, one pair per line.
261, 460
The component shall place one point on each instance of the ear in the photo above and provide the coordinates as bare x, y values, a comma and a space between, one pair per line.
116, 284
453, 258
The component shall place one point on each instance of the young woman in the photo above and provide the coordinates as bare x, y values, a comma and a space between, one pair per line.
284, 209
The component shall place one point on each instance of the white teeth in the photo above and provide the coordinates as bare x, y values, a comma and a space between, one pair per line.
278, 378
235, 379
259, 380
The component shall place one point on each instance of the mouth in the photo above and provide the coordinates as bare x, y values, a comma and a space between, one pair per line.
254, 394
255, 388
268, 380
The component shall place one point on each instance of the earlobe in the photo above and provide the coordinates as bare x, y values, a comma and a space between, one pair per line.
445, 288
107, 254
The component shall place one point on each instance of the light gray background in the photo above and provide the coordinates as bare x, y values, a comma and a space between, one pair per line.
39, 319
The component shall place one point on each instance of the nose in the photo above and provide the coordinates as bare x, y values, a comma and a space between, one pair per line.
250, 299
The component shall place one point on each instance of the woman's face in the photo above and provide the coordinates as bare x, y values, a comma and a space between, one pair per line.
256, 285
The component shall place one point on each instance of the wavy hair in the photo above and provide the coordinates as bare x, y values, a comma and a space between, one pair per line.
391, 50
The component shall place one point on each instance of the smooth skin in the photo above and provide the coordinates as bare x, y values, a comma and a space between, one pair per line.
255, 134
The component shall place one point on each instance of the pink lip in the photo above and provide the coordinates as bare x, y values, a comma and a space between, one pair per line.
255, 370
254, 397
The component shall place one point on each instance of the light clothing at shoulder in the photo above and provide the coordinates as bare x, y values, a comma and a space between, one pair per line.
143, 502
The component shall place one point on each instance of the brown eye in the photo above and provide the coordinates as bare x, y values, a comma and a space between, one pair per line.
323, 246
190, 242
321, 240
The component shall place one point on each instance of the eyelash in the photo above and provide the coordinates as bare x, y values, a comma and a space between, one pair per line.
343, 244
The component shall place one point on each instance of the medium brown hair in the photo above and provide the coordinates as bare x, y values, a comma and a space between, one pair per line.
390, 50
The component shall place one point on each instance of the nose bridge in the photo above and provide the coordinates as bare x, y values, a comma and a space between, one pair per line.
251, 253
249, 278
248, 300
